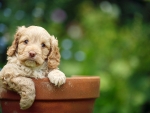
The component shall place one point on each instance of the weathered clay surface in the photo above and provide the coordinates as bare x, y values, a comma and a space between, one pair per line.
77, 95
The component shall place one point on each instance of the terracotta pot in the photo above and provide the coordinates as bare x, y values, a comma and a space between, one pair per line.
77, 95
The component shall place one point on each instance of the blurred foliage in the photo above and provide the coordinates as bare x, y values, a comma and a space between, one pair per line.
110, 39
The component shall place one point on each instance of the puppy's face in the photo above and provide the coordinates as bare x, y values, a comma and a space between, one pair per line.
33, 46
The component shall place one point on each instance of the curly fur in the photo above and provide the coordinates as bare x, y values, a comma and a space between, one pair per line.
33, 54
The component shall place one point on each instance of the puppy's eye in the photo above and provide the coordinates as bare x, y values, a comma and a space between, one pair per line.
26, 41
43, 45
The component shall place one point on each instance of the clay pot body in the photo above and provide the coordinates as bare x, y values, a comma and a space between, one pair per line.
77, 95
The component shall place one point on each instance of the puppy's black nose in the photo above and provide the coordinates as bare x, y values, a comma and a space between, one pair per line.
32, 53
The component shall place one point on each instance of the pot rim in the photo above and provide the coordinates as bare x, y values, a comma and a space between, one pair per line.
76, 87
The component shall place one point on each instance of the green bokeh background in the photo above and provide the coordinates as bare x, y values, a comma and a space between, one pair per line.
110, 39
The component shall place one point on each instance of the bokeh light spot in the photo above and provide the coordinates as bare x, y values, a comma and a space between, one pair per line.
66, 54
79, 56
106, 6
58, 15
2, 27
67, 44
19, 14
37, 12
7, 12
74, 31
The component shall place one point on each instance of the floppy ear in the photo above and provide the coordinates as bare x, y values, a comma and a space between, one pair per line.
54, 56
12, 49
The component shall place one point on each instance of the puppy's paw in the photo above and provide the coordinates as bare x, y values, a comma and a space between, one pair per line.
57, 77
26, 103
27, 98
25, 87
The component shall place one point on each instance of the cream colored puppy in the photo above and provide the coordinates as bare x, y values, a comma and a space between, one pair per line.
33, 54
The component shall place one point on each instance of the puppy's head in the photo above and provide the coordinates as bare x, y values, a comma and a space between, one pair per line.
33, 46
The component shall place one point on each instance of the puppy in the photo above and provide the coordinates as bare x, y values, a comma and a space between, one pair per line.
34, 53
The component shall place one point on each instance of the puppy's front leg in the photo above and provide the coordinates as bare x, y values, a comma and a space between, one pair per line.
25, 87
57, 77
